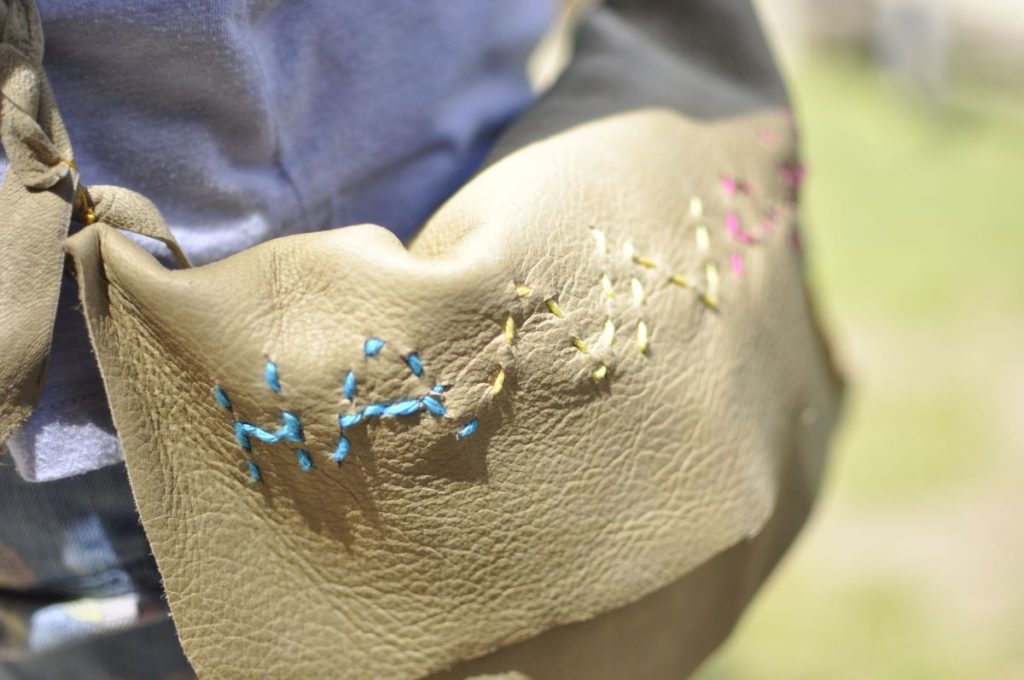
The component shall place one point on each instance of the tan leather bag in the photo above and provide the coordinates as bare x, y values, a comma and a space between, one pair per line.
566, 434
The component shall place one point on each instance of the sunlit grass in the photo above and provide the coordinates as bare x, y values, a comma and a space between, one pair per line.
819, 627
903, 449
916, 208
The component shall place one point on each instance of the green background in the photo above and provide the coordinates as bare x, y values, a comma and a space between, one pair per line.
912, 565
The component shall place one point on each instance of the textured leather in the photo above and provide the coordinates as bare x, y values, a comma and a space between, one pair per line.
576, 496
652, 395
669, 632
37, 195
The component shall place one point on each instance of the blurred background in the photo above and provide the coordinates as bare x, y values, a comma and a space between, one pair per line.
912, 565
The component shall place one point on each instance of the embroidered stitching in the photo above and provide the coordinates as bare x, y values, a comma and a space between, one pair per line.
432, 400
291, 431
468, 429
270, 373
372, 347
349, 389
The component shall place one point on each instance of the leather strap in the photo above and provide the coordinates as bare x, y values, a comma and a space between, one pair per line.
36, 202
126, 210
39, 195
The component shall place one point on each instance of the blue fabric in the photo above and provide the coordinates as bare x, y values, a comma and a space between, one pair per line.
245, 120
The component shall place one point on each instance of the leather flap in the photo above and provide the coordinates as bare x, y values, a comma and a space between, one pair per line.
574, 390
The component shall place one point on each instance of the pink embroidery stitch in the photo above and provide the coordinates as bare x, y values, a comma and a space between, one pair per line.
732, 226
738, 264
732, 186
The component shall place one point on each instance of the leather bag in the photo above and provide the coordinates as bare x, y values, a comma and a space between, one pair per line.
566, 433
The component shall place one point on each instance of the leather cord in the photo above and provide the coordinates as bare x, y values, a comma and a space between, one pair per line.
40, 196
36, 201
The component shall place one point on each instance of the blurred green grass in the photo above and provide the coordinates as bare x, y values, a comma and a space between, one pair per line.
911, 566
915, 204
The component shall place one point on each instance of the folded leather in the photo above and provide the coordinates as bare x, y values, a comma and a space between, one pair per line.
37, 195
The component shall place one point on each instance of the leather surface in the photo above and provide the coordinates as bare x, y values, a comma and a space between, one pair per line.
576, 496
669, 632
36, 196
653, 396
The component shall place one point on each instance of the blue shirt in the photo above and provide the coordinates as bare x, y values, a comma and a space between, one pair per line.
244, 120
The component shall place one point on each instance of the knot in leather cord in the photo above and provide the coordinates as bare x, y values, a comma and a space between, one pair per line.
32, 133
129, 211
36, 199
83, 205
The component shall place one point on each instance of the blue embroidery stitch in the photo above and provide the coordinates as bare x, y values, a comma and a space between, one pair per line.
350, 419
222, 397
468, 429
406, 407
290, 430
350, 385
304, 460
341, 452
398, 408
372, 347
374, 410
241, 436
434, 405
270, 373
415, 364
